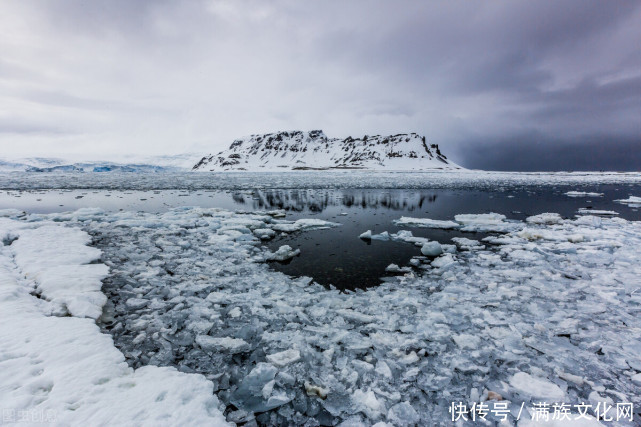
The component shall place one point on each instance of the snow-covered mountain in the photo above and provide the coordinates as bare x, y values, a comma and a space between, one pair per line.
297, 150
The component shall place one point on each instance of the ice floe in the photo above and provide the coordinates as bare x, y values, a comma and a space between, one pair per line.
465, 222
467, 244
302, 224
539, 310
632, 201
425, 222
599, 212
544, 218
583, 194
283, 253
431, 249
540, 388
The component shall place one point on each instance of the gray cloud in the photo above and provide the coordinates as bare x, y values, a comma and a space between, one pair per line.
532, 152
479, 78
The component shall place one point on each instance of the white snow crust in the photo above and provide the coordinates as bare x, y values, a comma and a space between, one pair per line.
55, 365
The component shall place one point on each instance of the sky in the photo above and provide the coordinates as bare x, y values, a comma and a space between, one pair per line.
506, 85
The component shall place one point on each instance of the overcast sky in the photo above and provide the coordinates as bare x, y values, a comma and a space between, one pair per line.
500, 85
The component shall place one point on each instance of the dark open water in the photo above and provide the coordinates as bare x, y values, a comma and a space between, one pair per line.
337, 256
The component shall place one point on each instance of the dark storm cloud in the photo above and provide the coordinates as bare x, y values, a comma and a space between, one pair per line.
510, 78
531, 152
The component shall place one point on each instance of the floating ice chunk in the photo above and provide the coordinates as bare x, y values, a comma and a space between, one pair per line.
528, 385
284, 357
486, 223
403, 235
407, 236
238, 222
570, 377
636, 379
224, 344
383, 369
393, 268
468, 244
480, 219
268, 389
283, 253
136, 303
382, 236
632, 201
366, 402
250, 395
546, 218
355, 315
403, 414
279, 213
448, 249
443, 261
264, 233
466, 341
407, 359
366, 235
582, 194
595, 399
235, 312
431, 249
303, 224
584, 211
425, 223
416, 261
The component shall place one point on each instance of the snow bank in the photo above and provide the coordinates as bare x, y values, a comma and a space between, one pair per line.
57, 259
63, 369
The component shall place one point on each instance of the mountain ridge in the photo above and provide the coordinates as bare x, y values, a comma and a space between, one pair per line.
300, 150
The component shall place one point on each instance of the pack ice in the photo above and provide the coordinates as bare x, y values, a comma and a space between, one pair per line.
543, 310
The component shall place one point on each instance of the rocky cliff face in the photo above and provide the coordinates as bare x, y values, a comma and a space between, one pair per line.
299, 150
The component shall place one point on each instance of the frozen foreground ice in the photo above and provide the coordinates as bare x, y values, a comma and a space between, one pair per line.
55, 364
547, 310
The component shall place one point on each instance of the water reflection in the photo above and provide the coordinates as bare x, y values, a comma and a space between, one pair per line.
320, 200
